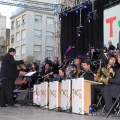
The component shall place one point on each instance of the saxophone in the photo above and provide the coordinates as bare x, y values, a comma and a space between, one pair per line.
106, 73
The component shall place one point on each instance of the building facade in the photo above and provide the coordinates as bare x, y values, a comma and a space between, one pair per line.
33, 34
2, 36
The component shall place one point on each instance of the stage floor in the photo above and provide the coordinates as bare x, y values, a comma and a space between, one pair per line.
31, 113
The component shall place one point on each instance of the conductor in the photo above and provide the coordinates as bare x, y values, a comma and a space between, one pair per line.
8, 76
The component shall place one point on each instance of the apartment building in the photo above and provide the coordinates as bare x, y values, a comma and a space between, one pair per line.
2, 36
33, 34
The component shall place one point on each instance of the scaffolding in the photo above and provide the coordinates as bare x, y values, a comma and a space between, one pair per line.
30, 4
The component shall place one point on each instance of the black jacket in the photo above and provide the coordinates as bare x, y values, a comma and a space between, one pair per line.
111, 47
9, 67
116, 78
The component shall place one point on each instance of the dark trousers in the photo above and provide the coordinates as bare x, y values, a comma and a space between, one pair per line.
6, 93
109, 93
95, 89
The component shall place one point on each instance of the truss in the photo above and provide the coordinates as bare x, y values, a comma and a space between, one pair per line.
30, 4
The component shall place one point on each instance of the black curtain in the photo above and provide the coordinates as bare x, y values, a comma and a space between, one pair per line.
92, 33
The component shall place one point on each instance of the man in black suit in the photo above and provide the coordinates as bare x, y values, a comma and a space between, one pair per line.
111, 47
112, 91
8, 76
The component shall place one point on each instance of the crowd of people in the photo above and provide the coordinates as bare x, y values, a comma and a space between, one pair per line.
88, 67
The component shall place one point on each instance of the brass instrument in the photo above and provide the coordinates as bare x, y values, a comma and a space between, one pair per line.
103, 77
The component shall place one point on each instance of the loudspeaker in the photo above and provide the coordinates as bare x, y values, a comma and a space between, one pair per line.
24, 96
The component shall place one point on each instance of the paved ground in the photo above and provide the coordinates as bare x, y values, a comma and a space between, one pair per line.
31, 113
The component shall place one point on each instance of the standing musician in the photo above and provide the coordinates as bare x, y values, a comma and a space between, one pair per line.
8, 75
112, 91
55, 65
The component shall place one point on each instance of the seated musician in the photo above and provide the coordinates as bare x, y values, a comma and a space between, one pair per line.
61, 76
110, 64
87, 73
96, 88
112, 91
46, 73
35, 67
75, 73
24, 68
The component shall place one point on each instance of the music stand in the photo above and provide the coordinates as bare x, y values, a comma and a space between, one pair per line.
28, 75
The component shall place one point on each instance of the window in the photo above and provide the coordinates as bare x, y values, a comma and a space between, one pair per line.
17, 51
50, 21
37, 33
24, 19
12, 38
49, 50
18, 22
38, 18
49, 35
12, 24
23, 49
37, 48
23, 34
17, 36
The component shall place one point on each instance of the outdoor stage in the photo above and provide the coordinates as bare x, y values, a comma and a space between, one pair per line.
31, 113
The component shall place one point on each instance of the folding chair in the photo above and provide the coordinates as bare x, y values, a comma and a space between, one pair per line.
113, 106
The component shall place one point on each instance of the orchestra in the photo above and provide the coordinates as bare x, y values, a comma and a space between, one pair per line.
99, 66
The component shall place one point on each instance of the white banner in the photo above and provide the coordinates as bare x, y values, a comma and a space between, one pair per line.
44, 94
53, 94
112, 25
66, 94
37, 94
78, 95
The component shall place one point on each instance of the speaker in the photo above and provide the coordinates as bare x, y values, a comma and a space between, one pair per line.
24, 96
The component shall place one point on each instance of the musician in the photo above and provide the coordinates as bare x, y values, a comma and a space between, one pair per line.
112, 91
46, 72
65, 62
87, 74
55, 65
92, 50
75, 73
96, 88
8, 75
35, 67
110, 65
24, 68
61, 76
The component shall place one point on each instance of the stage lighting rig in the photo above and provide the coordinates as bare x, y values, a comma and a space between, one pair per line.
89, 17
95, 15
92, 15
79, 30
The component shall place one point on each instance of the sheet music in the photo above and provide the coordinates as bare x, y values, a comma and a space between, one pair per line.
30, 74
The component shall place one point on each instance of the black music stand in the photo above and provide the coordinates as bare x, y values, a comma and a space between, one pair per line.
28, 75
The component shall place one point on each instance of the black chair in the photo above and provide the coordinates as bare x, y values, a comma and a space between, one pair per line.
116, 104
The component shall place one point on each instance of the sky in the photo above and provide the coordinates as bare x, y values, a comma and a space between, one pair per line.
7, 11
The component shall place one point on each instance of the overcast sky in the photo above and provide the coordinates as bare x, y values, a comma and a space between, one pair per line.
6, 11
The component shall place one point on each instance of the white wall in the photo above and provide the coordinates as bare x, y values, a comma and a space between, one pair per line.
113, 34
